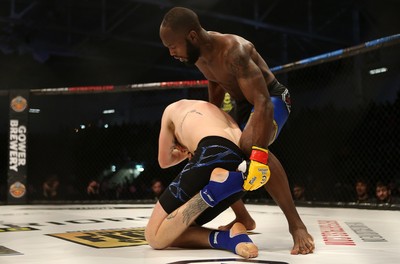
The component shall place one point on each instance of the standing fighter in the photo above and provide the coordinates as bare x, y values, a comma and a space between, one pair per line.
232, 64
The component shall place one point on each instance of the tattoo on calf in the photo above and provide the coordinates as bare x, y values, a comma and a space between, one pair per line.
172, 215
195, 206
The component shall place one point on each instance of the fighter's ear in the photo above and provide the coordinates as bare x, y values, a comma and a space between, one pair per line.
193, 35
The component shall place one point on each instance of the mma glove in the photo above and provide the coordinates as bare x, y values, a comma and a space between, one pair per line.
256, 172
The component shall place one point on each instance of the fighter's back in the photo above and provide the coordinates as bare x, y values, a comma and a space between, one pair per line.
193, 120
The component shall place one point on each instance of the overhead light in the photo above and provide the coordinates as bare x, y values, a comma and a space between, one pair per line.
378, 70
83, 126
34, 110
108, 111
139, 167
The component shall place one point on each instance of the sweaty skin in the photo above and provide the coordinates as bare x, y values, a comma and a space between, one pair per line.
185, 123
232, 64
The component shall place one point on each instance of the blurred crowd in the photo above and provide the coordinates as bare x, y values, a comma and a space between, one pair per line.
330, 155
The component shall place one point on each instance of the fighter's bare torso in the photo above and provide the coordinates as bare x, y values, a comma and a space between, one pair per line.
220, 64
193, 120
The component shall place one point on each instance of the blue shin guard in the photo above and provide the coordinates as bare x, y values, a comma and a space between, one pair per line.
222, 240
214, 192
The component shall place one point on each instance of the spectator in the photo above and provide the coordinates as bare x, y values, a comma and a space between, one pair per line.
383, 194
51, 187
361, 188
298, 191
93, 189
394, 187
157, 188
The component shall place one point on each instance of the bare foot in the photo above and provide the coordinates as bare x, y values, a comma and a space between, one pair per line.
244, 249
248, 222
303, 242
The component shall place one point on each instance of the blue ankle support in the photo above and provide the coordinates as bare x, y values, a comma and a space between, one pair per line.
214, 192
222, 240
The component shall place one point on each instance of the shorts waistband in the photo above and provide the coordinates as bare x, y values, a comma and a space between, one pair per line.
273, 83
218, 140
275, 88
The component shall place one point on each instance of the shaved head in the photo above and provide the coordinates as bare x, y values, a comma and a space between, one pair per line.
181, 19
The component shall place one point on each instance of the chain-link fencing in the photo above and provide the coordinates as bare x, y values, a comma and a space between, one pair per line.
95, 144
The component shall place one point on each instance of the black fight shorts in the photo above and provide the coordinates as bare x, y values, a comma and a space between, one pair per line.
212, 152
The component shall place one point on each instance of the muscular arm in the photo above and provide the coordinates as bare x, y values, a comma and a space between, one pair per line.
170, 152
215, 93
254, 88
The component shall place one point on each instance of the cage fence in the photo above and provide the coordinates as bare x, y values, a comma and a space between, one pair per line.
101, 145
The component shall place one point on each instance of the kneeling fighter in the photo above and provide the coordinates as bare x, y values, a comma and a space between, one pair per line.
206, 186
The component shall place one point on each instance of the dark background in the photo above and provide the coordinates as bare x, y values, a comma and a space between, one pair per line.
344, 124
58, 43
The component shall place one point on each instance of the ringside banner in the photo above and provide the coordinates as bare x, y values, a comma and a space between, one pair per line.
17, 150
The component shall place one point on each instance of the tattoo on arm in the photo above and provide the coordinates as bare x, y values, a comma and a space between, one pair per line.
240, 64
195, 206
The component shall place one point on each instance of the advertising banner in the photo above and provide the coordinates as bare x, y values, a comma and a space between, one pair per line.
17, 150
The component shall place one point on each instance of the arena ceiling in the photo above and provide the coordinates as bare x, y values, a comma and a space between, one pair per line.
57, 43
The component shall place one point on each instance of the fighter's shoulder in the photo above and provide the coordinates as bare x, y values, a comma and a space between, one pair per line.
231, 39
237, 46
183, 103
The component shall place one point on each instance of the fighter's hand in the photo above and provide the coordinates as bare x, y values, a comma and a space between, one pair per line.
257, 172
184, 151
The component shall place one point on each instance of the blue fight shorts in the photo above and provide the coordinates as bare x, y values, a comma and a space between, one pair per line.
280, 97
282, 106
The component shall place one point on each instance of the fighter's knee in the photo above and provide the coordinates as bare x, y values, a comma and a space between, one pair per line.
150, 238
219, 175
154, 243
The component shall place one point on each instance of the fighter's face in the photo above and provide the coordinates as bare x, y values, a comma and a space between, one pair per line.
179, 46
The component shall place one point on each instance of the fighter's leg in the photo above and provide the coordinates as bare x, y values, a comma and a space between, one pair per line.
235, 240
221, 185
242, 216
278, 188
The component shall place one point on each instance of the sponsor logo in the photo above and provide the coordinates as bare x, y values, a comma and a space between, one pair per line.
17, 229
334, 234
215, 241
17, 189
17, 152
73, 222
18, 104
263, 180
106, 238
253, 180
227, 103
365, 233
205, 192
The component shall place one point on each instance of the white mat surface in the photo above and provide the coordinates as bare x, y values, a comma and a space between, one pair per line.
342, 236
